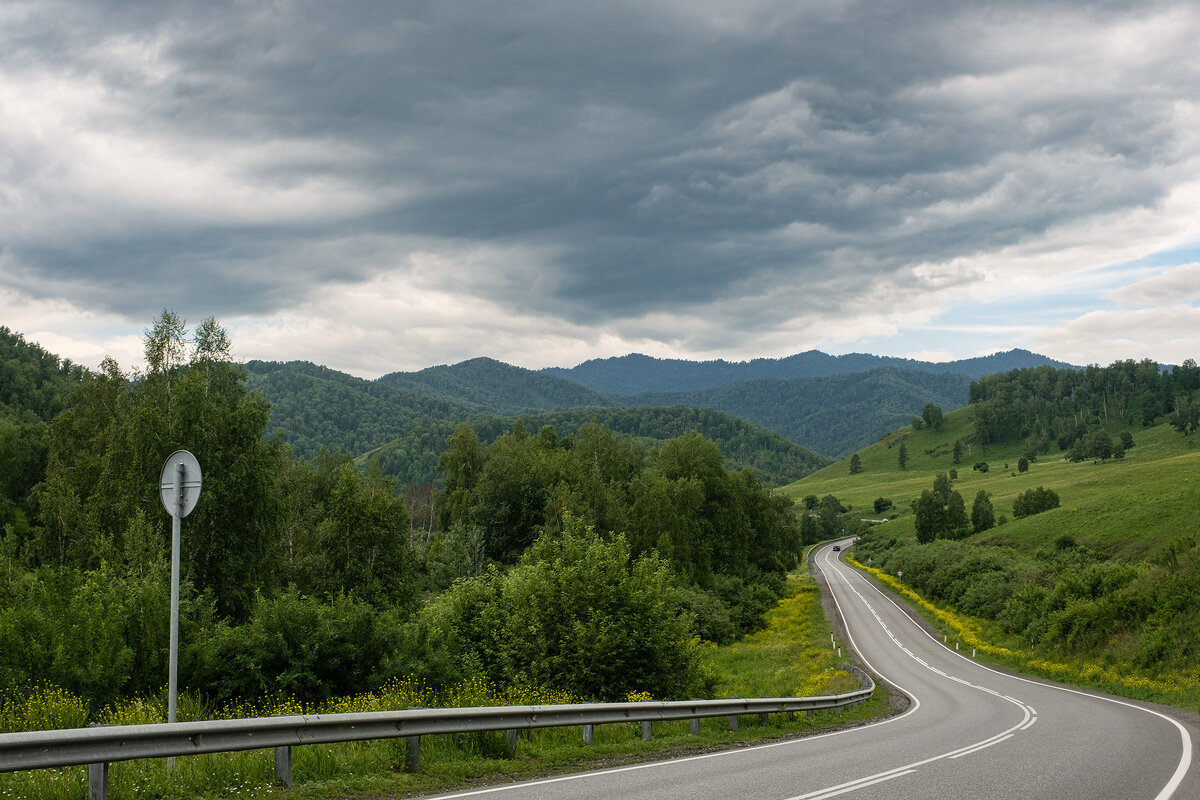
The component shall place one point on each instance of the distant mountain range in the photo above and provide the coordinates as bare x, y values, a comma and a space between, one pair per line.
636, 373
771, 414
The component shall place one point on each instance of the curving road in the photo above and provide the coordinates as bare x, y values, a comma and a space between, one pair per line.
970, 732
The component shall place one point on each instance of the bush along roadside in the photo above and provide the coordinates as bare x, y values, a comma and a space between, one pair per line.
1179, 688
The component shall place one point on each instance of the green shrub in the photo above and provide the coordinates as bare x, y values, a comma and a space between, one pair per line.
299, 646
1034, 501
576, 614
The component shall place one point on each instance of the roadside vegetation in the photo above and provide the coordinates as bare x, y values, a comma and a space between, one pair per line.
792, 655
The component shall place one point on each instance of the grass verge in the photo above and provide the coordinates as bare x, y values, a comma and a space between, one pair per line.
1180, 689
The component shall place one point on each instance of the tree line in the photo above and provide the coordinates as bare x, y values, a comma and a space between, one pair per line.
1075, 409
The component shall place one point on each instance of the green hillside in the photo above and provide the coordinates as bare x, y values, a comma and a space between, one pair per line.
498, 388
833, 414
1127, 509
1107, 582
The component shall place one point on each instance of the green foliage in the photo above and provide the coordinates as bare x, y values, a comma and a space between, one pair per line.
902, 456
1186, 416
34, 385
300, 647
931, 415
855, 464
365, 540
102, 633
1035, 501
882, 504
983, 516
107, 449
578, 613
1066, 405
940, 513
680, 501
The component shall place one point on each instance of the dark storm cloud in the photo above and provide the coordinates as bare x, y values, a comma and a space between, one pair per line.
664, 154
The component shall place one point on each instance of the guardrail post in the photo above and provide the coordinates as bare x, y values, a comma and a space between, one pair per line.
97, 777
647, 730
412, 753
589, 735
283, 766
764, 718
510, 742
733, 722
694, 726
98, 781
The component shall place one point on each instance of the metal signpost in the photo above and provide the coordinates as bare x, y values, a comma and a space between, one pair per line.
179, 488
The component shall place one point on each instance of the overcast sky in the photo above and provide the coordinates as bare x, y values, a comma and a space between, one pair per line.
388, 186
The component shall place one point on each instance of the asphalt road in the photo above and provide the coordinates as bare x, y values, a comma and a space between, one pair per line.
970, 732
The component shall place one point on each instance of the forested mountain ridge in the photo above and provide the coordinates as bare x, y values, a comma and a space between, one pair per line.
406, 430
636, 373
315, 407
831, 415
834, 415
499, 388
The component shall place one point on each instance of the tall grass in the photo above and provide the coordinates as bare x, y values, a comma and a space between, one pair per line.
793, 656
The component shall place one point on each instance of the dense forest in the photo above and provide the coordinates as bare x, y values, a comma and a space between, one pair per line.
589, 560
1078, 409
835, 415
412, 458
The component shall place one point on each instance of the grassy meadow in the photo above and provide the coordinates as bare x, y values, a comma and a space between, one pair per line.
1128, 509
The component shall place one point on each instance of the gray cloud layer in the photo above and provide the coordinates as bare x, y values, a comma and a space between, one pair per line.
596, 162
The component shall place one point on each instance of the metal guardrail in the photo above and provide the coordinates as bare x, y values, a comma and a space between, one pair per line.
97, 746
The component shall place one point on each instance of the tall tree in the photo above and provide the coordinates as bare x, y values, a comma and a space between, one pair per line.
108, 447
928, 517
932, 416
983, 516
365, 539
1186, 417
